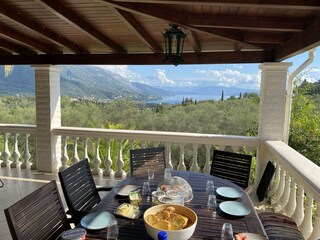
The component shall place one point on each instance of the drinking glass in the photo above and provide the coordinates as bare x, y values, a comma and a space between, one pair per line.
113, 230
227, 232
150, 174
210, 187
212, 204
146, 189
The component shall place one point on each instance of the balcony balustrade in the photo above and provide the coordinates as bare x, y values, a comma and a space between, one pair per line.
295, 189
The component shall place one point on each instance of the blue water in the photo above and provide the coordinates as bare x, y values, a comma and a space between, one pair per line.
177, 99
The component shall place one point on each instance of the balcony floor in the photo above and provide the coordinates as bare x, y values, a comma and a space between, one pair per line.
19, 183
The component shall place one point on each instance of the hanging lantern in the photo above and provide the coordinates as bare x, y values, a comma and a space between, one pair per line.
174, 40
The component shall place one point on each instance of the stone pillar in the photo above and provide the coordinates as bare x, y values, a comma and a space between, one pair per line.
273, 108
48, 116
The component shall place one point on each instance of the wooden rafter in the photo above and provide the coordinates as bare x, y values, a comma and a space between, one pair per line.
135, 26
27, 21
71, 17
26, 40
192, 36
15, 48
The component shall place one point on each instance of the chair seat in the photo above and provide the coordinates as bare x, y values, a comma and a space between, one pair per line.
280, 227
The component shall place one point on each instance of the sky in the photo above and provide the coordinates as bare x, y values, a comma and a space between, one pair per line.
226, 75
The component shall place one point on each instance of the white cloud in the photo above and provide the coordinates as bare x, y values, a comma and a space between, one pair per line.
237, 66
231, 78
123, 71
161, 76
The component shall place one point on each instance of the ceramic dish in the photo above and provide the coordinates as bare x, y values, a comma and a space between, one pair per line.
96, 220
125, 190
229, 192
234, 208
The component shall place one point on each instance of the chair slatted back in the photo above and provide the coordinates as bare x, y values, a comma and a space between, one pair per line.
79, 187
144, 158
38, 216
232, 166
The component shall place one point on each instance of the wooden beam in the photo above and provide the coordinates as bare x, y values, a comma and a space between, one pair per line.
286, 24
180, 18
192, 37
135, 26
71, 17
12, 47
300, 42
140, 59
265, 37
292, 4
26, 21
26, 40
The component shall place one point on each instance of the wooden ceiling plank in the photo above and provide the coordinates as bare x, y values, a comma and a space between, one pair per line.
300, 42
12, 47
139, 59
267, 38
179, 18
71, 17
248, 22
141, 32
24, 20
292, 4
24, 39
192, 37
4, 51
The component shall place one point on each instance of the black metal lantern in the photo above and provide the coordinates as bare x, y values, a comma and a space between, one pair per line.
174, 40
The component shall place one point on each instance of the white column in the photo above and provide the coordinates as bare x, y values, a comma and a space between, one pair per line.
273, 108
48, 116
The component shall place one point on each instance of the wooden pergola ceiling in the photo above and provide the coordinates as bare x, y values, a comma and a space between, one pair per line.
130, 32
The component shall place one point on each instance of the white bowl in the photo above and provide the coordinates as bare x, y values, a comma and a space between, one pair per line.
182, 234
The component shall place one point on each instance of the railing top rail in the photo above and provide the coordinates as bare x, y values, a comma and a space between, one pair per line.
303, 170
18, 128
159, 136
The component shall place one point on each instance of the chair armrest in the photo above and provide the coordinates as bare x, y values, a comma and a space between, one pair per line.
104, 188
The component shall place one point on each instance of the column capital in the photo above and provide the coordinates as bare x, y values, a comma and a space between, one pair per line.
274, 66
56, 68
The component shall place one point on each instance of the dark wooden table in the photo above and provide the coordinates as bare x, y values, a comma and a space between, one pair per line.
207, 227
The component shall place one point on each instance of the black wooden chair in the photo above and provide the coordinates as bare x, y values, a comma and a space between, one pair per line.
144, 158
38, 216
265, 181
79, 189
234, 167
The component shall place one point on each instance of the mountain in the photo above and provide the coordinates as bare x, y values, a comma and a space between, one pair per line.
81, 82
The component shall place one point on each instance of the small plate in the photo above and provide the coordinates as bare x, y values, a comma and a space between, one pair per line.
229, 192
96, 220
125, 190
233, 208
136, 211
252, 236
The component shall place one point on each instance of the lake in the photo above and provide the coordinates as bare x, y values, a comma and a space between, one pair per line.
177, 99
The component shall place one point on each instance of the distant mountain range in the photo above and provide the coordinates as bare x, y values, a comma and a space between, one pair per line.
99, 84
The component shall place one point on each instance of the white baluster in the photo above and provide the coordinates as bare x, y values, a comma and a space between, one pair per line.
234, 148
108, 161
64, 158
85, 147
120, 163
156, 144
97, 161
277, 195
143, 144
298, 214
26, 154
286, 193
181, 165
306, 225
168, 155
207, 166
292, 203
6, 153
16, 154
195, 166
316, 227
75, 158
